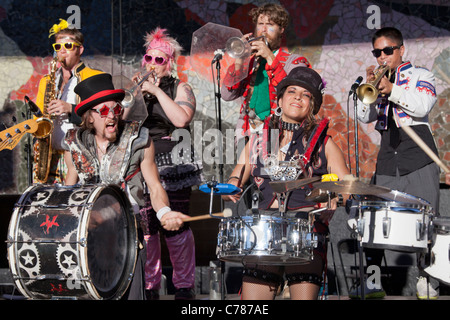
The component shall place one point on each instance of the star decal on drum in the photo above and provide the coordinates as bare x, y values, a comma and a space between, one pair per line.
28, 259
40, 195
68, 260
49, 224
80, 196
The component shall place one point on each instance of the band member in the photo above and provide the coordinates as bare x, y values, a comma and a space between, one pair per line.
300, 134
267, 67
405, 99
68, 48
105, 146
171, 106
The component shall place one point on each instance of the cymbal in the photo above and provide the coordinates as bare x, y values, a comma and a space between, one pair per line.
352, 187
286, 186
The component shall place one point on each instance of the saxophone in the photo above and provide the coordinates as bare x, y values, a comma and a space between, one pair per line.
43, 144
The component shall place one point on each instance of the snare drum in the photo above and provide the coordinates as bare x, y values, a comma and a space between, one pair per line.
394, 225
440, 250
266, 239
75, 242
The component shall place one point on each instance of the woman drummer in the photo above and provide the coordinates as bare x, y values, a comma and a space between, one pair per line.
303, 142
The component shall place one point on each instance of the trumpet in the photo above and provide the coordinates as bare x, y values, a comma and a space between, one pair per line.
368, 92
237, 48
129, 99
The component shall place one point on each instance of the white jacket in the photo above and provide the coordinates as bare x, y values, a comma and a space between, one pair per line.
413, 93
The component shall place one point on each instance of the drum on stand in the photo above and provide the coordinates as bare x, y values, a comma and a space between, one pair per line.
266, 239
393, 225
439, 267
77, 242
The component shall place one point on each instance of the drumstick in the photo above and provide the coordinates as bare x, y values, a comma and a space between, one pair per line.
226, 213
425, 148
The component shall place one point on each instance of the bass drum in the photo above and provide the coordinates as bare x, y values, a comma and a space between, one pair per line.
77, 242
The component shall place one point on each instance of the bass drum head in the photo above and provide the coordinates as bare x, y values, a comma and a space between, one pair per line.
111, 243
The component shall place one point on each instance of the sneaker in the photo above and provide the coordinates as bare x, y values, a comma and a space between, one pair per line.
368, 293
184, 294
423, 293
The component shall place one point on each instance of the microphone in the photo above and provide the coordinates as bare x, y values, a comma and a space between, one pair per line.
34, 108
220, 188
355, 85
218, 55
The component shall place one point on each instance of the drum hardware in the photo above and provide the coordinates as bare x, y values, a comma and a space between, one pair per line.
285, 186
386, 226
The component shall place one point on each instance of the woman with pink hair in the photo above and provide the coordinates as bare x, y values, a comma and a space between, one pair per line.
171, 106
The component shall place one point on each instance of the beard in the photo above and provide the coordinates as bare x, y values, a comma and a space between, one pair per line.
273, 41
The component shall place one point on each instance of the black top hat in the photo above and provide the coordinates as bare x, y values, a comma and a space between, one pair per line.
95, 90
306, 78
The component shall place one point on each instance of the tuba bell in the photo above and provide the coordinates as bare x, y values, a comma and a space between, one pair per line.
368, 92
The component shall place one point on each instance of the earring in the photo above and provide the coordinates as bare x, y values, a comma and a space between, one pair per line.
278, 112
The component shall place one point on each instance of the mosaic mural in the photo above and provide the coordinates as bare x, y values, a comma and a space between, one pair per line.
334, 36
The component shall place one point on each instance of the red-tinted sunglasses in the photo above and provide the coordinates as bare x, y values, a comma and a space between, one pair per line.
105, 110
158, 60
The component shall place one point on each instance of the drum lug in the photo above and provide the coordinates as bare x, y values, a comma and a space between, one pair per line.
419, 230
360, 227
9, 242
83, 242
386, 226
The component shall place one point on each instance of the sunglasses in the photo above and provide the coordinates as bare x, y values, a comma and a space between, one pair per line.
67, 45
105, 110
387, 51
158, 60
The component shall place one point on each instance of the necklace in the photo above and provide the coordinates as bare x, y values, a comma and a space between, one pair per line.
289, 126
102, 150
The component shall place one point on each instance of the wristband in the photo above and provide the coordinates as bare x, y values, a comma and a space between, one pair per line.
162, 212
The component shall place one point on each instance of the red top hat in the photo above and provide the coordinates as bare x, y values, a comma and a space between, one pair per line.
95, 90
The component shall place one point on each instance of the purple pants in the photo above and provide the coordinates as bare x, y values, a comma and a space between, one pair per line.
180, 244
182, 256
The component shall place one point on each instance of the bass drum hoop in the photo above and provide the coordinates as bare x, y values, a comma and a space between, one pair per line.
128, 272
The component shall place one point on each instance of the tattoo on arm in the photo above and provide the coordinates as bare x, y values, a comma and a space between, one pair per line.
190, 98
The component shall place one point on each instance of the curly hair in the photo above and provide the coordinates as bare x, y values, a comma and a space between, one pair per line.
276, 13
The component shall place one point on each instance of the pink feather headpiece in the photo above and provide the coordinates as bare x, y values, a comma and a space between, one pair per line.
159, 40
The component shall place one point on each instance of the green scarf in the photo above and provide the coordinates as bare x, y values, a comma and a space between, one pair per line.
260, 100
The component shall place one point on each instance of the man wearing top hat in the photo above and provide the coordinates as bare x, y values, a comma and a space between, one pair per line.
106, 149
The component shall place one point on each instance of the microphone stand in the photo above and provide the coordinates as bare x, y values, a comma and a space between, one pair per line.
359, 240
355, 99
28, 151
218, 96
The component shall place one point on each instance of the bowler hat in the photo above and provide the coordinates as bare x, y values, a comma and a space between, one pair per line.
306, 78
95, 90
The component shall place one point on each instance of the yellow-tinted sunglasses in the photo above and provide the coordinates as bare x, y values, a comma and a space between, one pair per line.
67, 45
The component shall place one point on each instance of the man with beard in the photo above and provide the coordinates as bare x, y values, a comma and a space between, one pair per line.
68, 48
108, 150
268, 65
